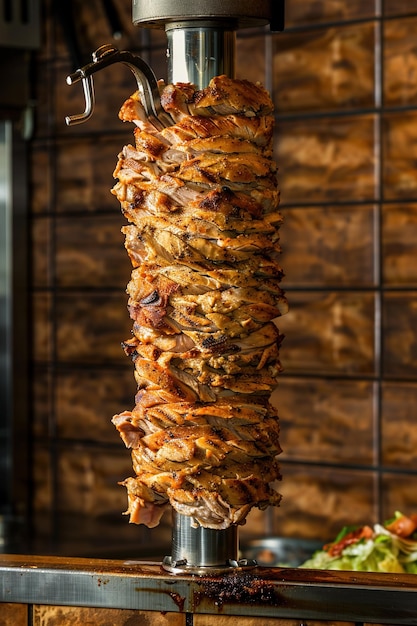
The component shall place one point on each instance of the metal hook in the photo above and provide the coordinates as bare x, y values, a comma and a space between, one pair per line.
147, 85
88, 87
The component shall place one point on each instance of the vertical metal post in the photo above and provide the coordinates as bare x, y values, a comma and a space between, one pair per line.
198, 546
201, 45
198, 53
14, 434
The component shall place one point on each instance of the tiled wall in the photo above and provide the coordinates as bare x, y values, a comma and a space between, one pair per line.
345, 90
344, 81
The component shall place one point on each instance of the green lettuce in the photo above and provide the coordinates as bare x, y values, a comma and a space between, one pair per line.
383, 551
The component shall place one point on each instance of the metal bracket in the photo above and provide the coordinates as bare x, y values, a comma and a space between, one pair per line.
147, 85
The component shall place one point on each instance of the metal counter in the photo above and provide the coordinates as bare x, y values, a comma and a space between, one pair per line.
262, 592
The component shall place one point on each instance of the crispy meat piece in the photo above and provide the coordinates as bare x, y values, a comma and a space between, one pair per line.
226, 96
223, 96
257, 130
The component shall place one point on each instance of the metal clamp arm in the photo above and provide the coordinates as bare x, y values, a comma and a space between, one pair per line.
147, 85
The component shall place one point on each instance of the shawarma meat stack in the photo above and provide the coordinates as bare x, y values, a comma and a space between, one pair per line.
201, 201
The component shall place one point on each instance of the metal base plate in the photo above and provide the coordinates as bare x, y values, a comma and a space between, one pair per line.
181, 567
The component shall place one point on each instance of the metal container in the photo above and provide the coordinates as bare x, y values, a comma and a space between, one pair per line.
280, 551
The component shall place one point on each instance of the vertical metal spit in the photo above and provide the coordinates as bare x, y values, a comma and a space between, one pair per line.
201, 39
197, 53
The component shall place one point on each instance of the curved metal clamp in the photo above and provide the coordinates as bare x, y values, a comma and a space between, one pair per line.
147, 84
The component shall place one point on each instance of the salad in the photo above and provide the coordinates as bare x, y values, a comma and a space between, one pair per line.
387, 547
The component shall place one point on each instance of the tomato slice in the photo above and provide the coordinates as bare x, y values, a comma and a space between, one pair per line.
403, 526
336, 549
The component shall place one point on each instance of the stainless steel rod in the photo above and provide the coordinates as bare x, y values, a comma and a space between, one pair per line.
202, 547
201, 45
198, 53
